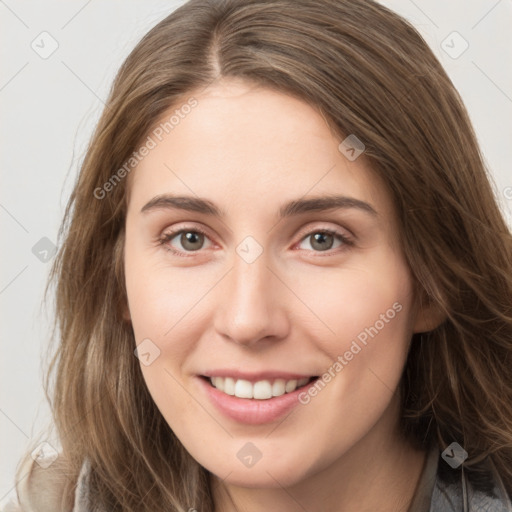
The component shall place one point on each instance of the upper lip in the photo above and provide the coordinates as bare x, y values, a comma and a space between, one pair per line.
256, 376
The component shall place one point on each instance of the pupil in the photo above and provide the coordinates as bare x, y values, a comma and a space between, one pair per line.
190, 239
320, 238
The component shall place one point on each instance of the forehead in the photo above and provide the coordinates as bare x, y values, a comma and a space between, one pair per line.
251, 147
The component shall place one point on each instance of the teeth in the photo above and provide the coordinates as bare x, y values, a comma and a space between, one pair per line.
229, 386
243, 388
279, 387
291, 385
261, 390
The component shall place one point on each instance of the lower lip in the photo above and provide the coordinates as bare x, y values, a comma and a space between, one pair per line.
252, 411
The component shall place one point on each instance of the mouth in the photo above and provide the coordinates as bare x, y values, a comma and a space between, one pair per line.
264, 389
254, 397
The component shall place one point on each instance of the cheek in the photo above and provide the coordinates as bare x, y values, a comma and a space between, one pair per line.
368, 310
167, 307
374, 292
161, 297
162, 311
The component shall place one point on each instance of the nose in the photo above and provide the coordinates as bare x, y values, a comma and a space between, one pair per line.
250, 308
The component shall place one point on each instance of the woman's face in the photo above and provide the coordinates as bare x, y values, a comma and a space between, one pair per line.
261, 255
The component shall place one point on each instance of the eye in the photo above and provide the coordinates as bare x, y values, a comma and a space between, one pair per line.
187, 240
324, 240
190, 240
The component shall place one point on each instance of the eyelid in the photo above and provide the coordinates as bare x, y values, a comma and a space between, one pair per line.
310, 229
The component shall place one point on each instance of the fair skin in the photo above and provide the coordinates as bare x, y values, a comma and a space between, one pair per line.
295, 308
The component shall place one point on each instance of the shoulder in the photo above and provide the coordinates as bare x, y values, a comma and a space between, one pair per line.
41, 486
463, 491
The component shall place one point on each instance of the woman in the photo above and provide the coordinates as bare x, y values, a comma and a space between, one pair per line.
284, 281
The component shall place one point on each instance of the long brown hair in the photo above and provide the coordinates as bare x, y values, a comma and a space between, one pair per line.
369, 73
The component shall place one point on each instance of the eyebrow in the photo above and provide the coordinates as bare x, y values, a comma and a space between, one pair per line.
295, 207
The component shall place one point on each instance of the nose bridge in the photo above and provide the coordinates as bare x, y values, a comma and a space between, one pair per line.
250, 282
249, 308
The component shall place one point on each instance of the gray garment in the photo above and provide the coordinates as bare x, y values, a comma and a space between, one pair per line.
433, 494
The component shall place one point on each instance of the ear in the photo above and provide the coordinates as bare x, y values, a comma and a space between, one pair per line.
428, 317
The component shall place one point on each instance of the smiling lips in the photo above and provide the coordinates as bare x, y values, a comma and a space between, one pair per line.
259, 390
254, 397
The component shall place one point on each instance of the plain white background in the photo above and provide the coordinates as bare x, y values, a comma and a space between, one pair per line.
48, 110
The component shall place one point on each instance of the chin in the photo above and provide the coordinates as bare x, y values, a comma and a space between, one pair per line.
261, 479
267, 475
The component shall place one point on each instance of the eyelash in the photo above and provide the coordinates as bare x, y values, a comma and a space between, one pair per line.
167, 237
